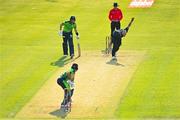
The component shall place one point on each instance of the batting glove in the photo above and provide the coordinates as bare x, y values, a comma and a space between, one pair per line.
71, 84
60, 33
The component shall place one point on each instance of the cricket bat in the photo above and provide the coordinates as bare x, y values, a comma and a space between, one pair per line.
79, 49
129, 25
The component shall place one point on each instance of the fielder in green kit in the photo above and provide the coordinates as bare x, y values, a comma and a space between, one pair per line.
68, 26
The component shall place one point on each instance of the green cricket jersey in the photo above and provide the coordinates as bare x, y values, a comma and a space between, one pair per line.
68, 26
65, 75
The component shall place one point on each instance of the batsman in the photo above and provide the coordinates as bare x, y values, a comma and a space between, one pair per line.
117, 36
66, 81
67, 34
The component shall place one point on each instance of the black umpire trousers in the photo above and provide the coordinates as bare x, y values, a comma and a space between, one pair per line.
115, 24
68, 40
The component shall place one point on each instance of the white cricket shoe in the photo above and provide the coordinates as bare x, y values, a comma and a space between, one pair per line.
114, 58
72, 56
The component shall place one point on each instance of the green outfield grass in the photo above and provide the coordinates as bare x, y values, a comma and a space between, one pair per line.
30, 43
154, 90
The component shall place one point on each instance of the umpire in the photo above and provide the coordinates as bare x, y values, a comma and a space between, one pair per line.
116, 40
115, 16
68, 36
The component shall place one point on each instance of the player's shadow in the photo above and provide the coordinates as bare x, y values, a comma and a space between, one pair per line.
114, 62
59, 113
61, 61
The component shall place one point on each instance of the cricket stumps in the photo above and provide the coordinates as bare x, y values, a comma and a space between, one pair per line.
108, 44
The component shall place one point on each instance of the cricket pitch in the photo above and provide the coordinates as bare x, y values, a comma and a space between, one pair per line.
99, 87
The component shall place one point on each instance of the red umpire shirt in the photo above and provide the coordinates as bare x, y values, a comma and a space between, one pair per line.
115, 14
